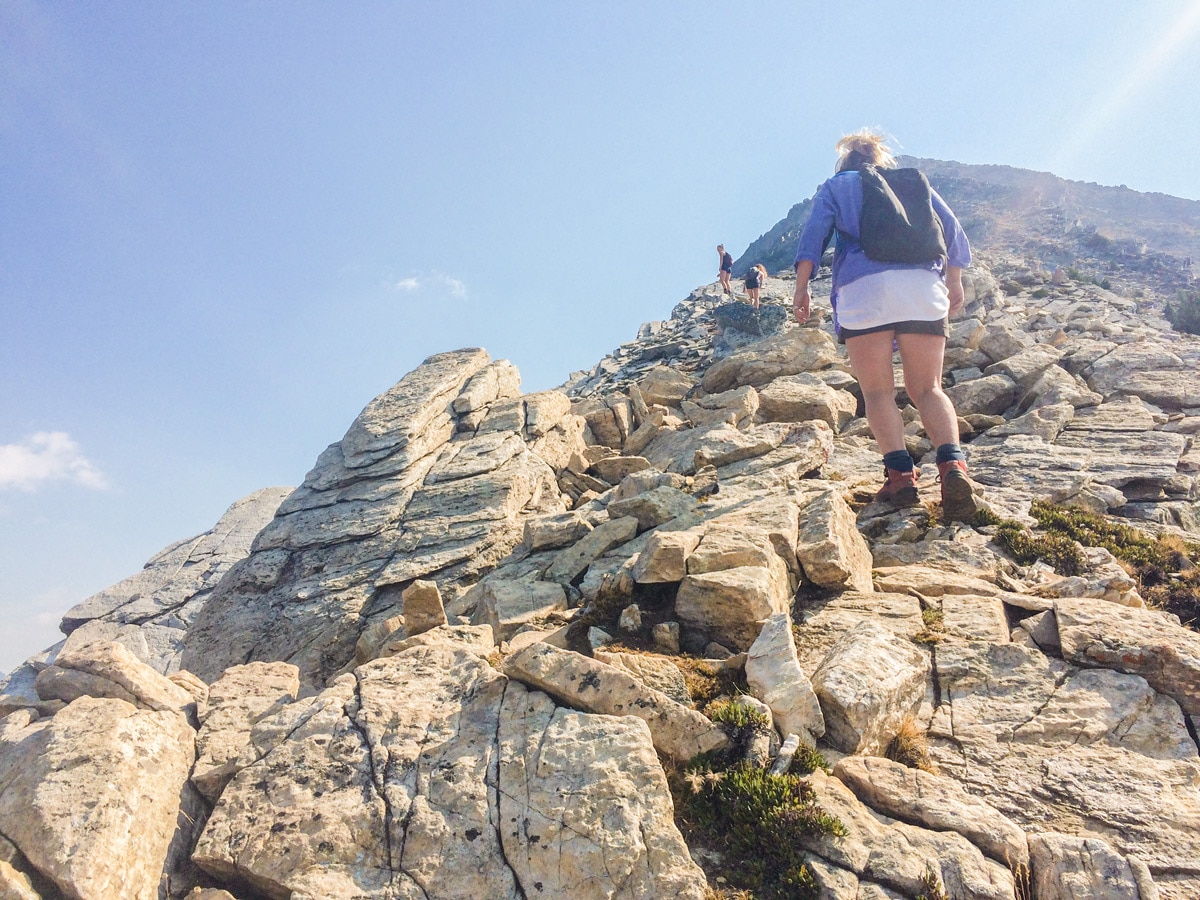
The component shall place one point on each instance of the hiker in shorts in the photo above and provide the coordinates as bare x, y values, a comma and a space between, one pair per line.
755, 279
878, 303
726, 269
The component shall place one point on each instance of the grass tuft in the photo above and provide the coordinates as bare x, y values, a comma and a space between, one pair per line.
911, 748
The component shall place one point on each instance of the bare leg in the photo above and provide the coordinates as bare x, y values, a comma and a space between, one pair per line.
871, 360
921, 356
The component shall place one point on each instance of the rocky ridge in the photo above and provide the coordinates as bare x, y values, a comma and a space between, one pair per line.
458, 661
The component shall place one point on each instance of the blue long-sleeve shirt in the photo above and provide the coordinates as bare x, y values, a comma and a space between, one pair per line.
838, 205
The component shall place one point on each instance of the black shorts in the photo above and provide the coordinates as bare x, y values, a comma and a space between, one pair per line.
911, 326
751, 283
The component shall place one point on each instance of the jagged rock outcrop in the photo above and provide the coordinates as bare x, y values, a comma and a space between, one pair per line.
453, 662
429, 482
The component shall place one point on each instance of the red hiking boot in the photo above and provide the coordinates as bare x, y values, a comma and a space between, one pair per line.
958, 497
900, 488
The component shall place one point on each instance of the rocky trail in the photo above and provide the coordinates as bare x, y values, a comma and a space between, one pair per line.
505, 645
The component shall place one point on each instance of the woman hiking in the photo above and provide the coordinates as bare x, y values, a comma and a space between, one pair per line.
755, 279
881, 305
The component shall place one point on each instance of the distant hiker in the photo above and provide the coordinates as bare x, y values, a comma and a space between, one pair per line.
726, 269
755, 279
879, 299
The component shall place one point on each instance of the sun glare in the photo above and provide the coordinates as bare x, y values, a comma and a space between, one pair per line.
1148, 68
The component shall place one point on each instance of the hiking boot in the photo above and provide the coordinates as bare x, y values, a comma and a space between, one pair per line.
900, 488
958, 496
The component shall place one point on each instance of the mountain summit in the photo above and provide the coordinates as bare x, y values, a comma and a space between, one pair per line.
646, 636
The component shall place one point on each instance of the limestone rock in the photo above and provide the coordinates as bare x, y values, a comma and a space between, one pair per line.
592, 686
574, 824
935, 802
1142, 642
422, 605
730, 603
664, 558
665, 385
91, 797
1148, 371
822, 624
15, 885
1054, 747
900, 855
736, 407
110, 670
507, 606
654, 507
395, 500
869, 682
775, 678
613, 468
829, 546
974, 618
789, 353
498, 380
803, 397
991, 394
572, 561
656, 672
477, 639
238, 700
553, 531
1067, 867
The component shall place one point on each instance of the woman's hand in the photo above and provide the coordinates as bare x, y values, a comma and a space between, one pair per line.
802, 302
954, 288
802, 299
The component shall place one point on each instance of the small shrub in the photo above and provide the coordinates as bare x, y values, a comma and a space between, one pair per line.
1040, 293
758, 822
1184, 313
932, 882
737, 715
1026, 548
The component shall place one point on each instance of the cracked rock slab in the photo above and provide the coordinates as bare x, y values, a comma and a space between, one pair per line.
390, 784
1140, 641
677, 731
1054, 747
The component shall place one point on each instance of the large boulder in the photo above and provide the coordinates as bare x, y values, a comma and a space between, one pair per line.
775, 677
92, 796
869, 683
1140, 641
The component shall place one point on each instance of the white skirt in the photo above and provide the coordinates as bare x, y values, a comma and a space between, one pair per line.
896, 295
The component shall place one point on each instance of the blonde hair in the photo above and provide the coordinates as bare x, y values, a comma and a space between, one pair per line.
762, 270
864, 146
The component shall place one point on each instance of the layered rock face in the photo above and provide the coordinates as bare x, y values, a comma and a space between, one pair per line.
431, 481
457, 661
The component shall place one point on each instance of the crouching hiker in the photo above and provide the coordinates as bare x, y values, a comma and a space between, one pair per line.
897, 277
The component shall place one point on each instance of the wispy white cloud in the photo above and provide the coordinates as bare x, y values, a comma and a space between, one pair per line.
434, 281
47, 456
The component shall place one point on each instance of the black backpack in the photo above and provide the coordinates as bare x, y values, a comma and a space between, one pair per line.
899, 223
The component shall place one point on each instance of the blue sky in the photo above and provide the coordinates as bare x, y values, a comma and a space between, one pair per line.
226, 226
